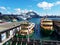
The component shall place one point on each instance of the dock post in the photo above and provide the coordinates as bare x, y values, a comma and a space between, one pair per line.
41, 42
10, 42
21, 43
33, 43
16, 43
26, 43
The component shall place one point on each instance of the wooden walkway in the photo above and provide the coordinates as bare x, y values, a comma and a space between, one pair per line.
23, 41
56, 25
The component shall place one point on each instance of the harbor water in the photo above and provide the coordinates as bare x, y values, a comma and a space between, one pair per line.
37, 36
37, 32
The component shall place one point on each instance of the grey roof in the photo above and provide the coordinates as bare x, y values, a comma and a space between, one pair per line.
7, 26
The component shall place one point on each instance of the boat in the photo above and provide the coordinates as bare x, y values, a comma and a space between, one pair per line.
1, 21
27, 29
14, 20
46, 26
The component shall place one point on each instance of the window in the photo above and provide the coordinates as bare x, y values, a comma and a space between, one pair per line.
3, 36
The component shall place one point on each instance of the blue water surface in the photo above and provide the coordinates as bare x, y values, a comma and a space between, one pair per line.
37, 32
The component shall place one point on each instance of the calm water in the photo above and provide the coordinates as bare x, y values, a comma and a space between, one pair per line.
37, 34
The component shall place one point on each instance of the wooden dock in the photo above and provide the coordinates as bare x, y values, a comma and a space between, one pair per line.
23, 41
56, 25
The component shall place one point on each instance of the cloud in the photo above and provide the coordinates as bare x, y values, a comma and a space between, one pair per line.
7, 10
45, 5
17, 11
57, 3
3, 8
24, 11
30, 10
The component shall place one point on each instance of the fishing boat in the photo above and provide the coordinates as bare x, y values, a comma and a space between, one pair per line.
27, 29
46, 26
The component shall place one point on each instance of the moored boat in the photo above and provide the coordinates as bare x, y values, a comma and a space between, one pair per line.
1, 21
27, 29
14, 20
46, 26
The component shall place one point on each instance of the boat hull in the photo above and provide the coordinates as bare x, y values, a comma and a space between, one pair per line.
24, 36
46, 32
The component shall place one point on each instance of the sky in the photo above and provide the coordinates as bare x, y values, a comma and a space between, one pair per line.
42, 7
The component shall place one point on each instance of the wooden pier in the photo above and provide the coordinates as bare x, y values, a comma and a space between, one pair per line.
56, 25
23, 41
